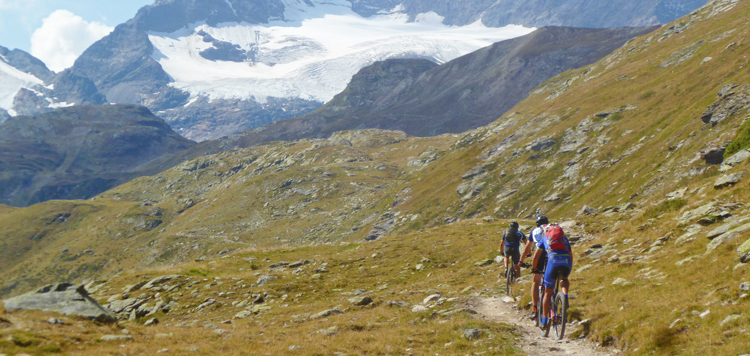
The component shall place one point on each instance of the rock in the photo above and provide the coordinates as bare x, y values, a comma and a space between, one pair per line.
621, 282
134, 287
419, 309
398, 304
627, 206
298, 263
279, 265
65, 298
150, 322
54, 321
473, 334
116, 337
360, 300
483, 263
718, 231
329, 331
729, 180
160, 280
540, 144
713, 155
507, 299
720, 240
730, 319
736, 159
206, 303
326, 313
463, 188
467, 289
743, 252
679, 193
586, 210
431, 299
419, 267
552, 198
745, 287
263, 280
704, 314
243, 314
474, 172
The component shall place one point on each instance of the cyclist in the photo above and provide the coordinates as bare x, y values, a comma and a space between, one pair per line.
510, 248
536, 269
559, 264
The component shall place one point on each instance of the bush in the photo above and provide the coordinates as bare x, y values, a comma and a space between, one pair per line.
741, 141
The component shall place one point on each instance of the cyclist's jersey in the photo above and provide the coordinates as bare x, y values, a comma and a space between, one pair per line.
543, 244
536, 234
520, 237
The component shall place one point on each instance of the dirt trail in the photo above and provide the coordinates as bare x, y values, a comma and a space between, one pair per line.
496, 310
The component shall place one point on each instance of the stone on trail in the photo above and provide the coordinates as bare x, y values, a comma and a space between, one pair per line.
65, 298
507, 299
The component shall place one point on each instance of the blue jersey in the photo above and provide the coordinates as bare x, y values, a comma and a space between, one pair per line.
544, 244
519, 238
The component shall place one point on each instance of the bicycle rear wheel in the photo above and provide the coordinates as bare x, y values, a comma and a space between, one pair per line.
540, 307
560, 311
510, 276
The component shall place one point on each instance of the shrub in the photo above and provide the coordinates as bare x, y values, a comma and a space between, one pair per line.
741, 141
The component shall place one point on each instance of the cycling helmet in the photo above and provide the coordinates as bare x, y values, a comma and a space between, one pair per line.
514, 225
542, 220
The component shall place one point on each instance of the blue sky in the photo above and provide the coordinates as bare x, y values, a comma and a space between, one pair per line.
19, 19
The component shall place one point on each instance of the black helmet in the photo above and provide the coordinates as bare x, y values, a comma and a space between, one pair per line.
541, 220
514, 225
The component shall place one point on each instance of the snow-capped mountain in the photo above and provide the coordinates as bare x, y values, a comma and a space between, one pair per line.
27, 87
214, 67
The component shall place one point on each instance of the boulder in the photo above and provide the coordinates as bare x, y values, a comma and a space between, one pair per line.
729, 180
360, 300
265, 279
65, 298
721, 240
326, 313
474, 172
587, 210
743, 252
718, 231
734, 160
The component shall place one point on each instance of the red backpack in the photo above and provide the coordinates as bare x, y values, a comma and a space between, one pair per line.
556, 238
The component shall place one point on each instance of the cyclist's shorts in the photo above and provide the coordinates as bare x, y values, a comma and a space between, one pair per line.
514, 253
557, 266
539, 268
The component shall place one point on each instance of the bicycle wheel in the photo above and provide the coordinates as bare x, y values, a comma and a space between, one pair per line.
560, 310
509, 277
540, 307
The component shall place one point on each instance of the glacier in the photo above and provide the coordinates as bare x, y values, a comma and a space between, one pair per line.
313, 52
11, 81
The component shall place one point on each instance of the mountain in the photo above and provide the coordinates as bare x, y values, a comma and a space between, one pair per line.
424, 99
643, 156
29, 87
79, 152
211, 68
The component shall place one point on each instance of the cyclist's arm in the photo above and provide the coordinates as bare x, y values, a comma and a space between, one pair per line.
526, 250
537, 256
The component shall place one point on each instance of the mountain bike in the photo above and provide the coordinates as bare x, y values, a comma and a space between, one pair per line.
558, 313
510, 278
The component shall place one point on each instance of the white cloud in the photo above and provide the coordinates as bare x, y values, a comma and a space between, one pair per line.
63, 37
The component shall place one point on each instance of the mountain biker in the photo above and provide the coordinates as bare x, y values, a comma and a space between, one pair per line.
510, 248
537, 269
559, 264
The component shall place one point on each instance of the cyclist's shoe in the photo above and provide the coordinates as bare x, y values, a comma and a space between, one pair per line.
543, 324
524, 265
533, 314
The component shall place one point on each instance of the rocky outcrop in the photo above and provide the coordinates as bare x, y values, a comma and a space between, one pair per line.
65, 298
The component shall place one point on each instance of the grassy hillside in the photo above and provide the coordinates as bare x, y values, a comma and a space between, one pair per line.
634, 137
